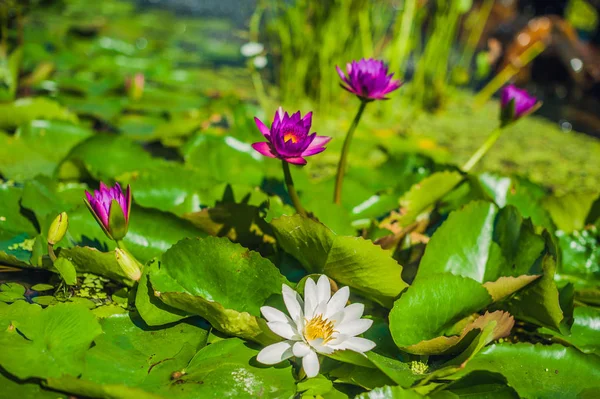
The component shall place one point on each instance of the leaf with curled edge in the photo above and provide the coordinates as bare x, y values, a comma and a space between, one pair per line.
448, 345
506, 286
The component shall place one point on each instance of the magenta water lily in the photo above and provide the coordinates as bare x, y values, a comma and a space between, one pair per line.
111, 206
368, 79
516, 103
289, 138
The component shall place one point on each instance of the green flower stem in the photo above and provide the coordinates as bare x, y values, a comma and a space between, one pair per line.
291, 190
476, 157
341, 170
51, 253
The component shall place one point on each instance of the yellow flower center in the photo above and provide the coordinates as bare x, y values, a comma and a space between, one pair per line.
290, 136
318, 328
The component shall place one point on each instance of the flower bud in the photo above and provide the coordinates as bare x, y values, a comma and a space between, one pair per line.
128, 264
111, 207
58, 228
135, 86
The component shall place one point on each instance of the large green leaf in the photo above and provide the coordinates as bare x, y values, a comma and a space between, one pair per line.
433, 304
105, 157
543, 371
89, 389
220, 281
580, 252
13, 388
11, 218
426, 193
154, 311
570, 211
128, 350
52, 139
51, 343
352, 261
18, 161
25, 110
539, 302
397, 370
229, 159
174, 188
585, 331
481, 243
228, 369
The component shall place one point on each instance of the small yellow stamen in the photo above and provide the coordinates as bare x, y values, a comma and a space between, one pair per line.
290, 137
318, 328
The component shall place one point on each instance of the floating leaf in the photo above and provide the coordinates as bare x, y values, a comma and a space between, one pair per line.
352, 261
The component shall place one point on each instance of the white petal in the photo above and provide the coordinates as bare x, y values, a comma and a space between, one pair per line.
275, 353
317, 345
310, 298
284, 330
349, 313
354, 327
300, 349
293, 303
310, 364
357, 344
323, 289
337, 301
272, 314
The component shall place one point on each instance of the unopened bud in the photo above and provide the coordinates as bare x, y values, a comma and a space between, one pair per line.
58, 228
128, 264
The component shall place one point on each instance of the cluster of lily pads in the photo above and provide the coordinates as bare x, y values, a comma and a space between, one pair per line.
212, 274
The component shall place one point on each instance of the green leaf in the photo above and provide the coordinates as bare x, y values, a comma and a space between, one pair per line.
229, 159
154, 311
481, 243
51, 343
585, 334
11, 218
92, 389
27, 109
570, 211
67, 271
432, 304
228, 369
351, 261
544, 371
539, 302
105, 157
52, 139
11, 292
13, 388
580, 252
397, 370
128, 350
426, 194
42, 287
173, 188
463, 245
220, 281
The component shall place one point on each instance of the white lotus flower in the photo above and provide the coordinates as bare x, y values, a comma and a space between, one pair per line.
320, 324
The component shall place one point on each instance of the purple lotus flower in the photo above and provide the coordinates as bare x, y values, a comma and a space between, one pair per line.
289, 138
524, 103
368, 79
114, 220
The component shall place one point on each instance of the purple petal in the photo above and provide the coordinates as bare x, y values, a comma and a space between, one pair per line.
262, 127
296, 160
265, 149
312, 151
320, 141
